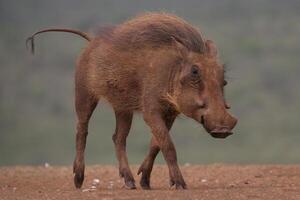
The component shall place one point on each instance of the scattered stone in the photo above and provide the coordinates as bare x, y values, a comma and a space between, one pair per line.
96, 181
46, 165
111, 185
85, 190
203, 180
93, 187
187, 164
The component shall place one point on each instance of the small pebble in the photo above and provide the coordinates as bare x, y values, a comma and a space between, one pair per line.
93, 187
85, 190
187, 164
47, 165
203, 180
96, 181
111, 184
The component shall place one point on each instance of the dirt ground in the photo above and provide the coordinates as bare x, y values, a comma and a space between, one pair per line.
212, 182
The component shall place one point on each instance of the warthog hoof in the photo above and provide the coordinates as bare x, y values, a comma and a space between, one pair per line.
130, 184
78, 179
178, 185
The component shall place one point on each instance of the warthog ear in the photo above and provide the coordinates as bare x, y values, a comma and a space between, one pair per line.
211, 48
181, 49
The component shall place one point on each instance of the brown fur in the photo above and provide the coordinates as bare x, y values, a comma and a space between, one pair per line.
160, 65
154, 30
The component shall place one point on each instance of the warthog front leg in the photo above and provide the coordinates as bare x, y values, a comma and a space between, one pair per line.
147, 165
161, 134
123, 124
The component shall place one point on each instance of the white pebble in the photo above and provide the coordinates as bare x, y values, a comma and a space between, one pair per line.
203, 180
93, 187
47, 165
96, 181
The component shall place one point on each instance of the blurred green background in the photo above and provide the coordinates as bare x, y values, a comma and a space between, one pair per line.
259, 40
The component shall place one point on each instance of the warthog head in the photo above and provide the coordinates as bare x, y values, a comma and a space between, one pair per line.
199, 90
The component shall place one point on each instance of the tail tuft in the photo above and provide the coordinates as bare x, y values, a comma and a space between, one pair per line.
31, 41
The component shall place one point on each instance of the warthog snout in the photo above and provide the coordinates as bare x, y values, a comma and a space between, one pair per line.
217, 129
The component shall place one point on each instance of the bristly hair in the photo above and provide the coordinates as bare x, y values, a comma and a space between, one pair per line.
155, 30
105, 31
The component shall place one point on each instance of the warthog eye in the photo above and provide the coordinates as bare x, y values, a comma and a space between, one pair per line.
195, 77
195, 70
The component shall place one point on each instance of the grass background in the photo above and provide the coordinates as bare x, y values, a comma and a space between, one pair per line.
258, 40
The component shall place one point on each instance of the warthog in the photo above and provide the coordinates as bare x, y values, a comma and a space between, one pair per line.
157, 64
